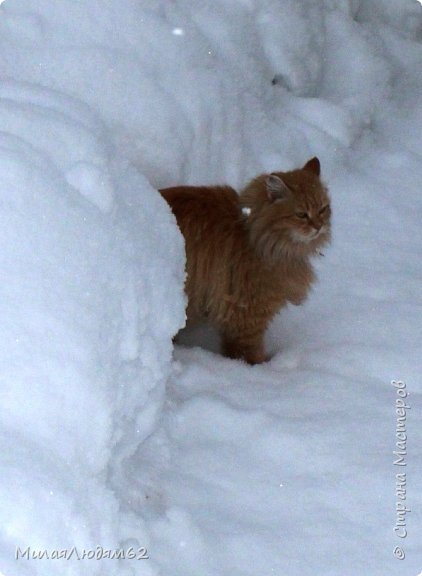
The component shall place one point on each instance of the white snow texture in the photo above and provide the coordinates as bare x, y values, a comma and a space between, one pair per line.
109, 436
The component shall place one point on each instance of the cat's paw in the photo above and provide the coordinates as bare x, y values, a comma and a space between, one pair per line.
253, 358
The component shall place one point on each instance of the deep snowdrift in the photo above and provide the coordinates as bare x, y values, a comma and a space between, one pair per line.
90, 298
285, 468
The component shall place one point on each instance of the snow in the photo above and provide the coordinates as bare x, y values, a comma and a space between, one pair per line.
110, 436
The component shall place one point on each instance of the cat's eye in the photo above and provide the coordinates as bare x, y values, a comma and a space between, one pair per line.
323, 209
301, 214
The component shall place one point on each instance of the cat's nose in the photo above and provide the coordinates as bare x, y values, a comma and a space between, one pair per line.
317, 226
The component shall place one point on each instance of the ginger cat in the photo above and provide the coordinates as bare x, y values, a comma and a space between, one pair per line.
248, 255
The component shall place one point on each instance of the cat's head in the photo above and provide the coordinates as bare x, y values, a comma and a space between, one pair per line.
288, 213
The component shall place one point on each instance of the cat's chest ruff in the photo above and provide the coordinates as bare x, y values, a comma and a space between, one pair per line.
279, 282
262, 286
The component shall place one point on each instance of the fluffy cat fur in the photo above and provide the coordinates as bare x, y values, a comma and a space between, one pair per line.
248, 255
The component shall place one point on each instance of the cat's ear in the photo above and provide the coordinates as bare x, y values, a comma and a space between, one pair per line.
276, 188
313, 165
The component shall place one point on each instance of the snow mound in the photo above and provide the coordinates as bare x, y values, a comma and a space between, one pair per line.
83, 357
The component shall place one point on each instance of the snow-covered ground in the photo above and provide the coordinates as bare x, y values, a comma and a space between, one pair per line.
109, 437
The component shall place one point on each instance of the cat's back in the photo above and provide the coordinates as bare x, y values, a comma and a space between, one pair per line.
210, 220
203, 207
